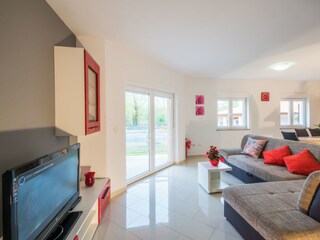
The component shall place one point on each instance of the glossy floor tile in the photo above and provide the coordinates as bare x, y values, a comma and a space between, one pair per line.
168, 205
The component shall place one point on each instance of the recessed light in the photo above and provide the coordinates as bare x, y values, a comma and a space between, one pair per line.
281, 66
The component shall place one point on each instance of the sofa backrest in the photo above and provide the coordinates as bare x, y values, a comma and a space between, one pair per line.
294, 146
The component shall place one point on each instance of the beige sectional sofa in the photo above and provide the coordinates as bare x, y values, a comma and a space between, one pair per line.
270, 209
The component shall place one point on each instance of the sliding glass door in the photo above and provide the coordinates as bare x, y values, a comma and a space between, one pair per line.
162, 130
148, 132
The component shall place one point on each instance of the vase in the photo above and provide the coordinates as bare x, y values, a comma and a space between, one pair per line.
214, 162
89, 181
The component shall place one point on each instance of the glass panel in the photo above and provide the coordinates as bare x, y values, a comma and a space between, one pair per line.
223, 113
137, 134
162, 130
284, 113
92, 95
237, 113
298, 112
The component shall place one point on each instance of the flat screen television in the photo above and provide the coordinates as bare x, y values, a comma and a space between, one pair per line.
39, 194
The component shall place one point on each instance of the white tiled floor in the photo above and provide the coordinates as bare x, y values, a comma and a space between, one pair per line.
168, 205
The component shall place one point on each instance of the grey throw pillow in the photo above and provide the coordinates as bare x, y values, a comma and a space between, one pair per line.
309, 189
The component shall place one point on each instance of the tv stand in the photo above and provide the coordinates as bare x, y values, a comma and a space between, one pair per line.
75, 203
64, 228
93, 202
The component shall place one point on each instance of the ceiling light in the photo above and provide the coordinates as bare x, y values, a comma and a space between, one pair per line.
281, 66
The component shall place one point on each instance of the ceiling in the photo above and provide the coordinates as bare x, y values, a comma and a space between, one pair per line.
220, 39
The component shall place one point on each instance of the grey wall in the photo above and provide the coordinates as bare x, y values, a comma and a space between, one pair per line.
28, 32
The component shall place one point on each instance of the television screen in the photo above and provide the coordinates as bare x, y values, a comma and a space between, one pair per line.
42, 190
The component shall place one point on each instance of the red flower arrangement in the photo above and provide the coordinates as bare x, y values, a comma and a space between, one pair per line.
214, 156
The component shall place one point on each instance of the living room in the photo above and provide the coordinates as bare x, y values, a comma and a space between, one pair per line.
238, 69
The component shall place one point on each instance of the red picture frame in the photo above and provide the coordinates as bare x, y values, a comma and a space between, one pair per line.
199, 110
199, 99
265, 96
92, 94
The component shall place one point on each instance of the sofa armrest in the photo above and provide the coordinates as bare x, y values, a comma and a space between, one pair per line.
225, 152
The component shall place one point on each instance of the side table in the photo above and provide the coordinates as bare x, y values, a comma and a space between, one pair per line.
209, 176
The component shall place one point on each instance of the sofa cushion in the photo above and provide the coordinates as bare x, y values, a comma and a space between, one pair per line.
275, 156
302, 163
263, 171
232, 194
226, 152
285, 225
253, 206
276, 173
254, 147
309, 189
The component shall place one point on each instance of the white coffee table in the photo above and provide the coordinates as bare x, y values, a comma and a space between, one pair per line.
209, 176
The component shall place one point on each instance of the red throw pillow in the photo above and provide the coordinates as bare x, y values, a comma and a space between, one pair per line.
302, 163
275, 156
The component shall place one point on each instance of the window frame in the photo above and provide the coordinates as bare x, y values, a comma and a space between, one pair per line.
245, 110
291, 111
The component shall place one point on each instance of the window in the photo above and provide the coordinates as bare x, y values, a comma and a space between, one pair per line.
293, 112
232, 113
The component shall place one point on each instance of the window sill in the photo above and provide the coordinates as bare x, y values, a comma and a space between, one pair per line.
233, 129
292, 127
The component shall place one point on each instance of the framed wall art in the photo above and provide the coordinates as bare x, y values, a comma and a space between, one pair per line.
92, 94
199, 110
199, 99
265, 96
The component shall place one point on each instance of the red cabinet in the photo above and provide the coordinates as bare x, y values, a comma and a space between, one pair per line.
103, 200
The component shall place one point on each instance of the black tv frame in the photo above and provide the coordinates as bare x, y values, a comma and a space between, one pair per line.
9, 189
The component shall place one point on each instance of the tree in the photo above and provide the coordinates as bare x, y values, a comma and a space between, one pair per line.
135, 114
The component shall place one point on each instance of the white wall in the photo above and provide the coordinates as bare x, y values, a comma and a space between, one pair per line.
119, 66
125, 66
264, 116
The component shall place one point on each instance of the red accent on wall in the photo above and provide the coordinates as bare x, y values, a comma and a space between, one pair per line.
90, 125
199, 99
199, 110
265, 96
103, 200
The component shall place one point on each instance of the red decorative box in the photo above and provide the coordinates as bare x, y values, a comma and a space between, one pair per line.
103, 200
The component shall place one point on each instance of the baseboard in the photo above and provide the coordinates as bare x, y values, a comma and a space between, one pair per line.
181, 162
119, 191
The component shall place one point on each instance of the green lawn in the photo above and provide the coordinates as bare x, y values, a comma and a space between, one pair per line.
140, 150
